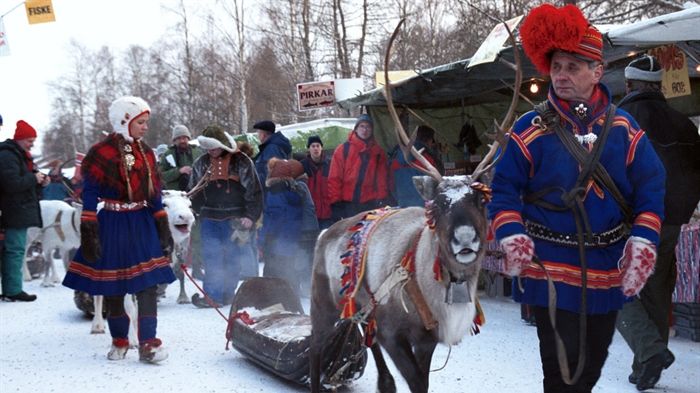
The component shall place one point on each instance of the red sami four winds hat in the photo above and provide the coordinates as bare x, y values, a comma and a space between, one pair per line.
548, 29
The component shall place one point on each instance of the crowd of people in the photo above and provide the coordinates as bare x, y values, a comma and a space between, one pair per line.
588, 196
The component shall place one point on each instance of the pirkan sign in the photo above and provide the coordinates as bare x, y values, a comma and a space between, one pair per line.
315, 95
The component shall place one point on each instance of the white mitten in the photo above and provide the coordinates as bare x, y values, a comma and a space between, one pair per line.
637, 264
519, 251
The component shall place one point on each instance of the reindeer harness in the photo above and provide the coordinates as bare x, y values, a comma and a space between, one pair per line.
354, 260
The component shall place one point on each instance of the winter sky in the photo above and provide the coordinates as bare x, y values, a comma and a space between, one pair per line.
39, 52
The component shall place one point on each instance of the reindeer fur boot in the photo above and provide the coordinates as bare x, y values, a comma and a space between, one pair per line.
152, 351
119, 348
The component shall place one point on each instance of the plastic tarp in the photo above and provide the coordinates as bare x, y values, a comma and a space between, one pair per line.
677, 26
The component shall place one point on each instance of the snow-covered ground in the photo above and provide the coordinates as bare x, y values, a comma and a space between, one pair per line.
45, 346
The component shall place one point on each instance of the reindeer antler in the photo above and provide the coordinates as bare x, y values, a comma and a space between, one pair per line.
405, 142
502, 134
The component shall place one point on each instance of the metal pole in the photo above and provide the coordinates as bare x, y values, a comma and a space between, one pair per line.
13, 8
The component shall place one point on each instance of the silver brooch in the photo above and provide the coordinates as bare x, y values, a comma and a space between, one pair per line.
589, 138
581, 110
128, 157
130, 161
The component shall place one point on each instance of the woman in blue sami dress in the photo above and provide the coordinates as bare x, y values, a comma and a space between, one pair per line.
125, 246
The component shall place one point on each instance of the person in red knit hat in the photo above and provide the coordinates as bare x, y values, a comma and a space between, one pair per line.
20, 192
577, 202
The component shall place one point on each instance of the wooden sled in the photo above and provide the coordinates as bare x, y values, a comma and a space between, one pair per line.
267, 324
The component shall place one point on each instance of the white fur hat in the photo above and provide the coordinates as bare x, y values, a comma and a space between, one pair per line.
645, 68
213, 137
123, 111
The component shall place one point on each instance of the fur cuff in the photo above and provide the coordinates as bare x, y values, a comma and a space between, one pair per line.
164, 235
90, 240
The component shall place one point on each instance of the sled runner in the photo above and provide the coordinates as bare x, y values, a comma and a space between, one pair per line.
267, 324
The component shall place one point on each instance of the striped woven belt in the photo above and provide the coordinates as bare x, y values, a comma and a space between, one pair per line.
603, 239
118, 206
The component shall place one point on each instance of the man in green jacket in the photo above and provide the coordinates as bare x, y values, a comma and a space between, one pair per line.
20, 191
175, 167
175, 164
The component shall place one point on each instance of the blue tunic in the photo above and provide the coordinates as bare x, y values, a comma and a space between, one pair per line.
536, 159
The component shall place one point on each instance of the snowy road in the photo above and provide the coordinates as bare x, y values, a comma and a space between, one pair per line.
46, 346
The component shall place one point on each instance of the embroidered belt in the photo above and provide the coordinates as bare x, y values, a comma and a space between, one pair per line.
602, 239
124, 206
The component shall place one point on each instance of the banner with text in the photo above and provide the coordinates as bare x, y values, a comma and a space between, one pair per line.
315, 95
4, 46
675, 82
494, 42
39, 11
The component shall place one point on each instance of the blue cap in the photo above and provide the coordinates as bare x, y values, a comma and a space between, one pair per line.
363, 117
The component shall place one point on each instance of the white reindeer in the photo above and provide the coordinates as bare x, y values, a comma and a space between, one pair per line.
61, 230
180, 219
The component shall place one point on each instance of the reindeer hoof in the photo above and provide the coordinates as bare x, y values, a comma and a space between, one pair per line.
47, 284
97, 330
183, 299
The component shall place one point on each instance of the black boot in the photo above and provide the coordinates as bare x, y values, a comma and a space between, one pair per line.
20, 297
651, 369
201, 302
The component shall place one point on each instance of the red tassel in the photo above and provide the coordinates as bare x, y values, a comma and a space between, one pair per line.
437, 268
349, 308
547, 28
370, 332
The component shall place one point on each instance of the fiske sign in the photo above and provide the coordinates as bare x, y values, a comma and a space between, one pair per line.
314, 95
39, 11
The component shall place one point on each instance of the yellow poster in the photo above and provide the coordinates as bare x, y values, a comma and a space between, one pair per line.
675, 82
39, 11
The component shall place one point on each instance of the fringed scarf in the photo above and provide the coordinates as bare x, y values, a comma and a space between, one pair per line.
107, 165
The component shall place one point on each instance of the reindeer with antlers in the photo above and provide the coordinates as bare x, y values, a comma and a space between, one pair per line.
432, 253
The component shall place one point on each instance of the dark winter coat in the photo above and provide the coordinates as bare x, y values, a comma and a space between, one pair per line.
170, 174
405, 191
277, 145
57, 190
677, 144
318, 184
19, 191
289, 216
239, 196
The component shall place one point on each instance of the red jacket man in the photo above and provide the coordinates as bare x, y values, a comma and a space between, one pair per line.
359, 175
317, 166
